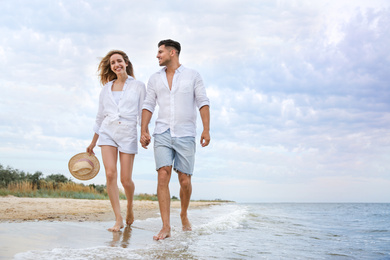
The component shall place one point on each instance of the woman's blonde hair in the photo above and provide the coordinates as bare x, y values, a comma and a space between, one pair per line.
104, 69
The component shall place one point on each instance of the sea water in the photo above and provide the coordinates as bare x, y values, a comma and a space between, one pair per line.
227, 231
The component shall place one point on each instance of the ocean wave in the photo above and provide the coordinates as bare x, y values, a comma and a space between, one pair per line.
232, 218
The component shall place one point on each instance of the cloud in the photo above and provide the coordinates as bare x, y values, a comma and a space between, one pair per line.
299, 90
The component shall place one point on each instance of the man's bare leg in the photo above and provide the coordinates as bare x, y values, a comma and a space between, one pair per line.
164, 201
127, 161
185, 196
110, 156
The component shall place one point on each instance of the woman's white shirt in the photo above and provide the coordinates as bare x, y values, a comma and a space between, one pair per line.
117, 96
129, 106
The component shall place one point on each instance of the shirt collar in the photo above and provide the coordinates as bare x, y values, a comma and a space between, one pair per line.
180, 69
128, 78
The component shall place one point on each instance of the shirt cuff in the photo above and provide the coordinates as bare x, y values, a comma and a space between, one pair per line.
96, 129
204, 103
150, 108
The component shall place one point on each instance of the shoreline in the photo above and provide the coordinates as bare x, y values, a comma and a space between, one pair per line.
16, 209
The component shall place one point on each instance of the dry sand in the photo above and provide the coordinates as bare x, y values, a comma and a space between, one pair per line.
15, 209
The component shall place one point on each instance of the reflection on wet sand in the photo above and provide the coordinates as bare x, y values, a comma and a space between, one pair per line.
125, 235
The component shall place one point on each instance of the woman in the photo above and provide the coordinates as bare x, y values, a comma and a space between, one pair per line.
120, 106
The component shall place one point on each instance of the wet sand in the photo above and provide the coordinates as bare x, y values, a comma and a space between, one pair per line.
29, 226
15, 209
68, 239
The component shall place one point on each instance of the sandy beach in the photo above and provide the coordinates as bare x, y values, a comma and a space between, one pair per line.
62, 228
15, 209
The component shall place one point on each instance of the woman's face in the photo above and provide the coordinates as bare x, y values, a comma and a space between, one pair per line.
118, 65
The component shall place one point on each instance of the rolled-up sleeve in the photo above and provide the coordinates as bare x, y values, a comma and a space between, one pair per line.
200, 93
150, 99
100, 115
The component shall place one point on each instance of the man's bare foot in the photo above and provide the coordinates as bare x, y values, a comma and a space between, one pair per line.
186, 223
129, 216
117, 227
164, 233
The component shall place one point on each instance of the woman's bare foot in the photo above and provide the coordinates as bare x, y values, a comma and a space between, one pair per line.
129, 216
117, 227
164, 233
185, 223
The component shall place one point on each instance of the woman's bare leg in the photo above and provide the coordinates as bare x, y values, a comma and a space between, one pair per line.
127, 162
110, 157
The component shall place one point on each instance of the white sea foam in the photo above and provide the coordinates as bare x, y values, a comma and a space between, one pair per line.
223, 218
80, 254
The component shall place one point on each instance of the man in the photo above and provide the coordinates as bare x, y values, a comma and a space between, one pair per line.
178, 91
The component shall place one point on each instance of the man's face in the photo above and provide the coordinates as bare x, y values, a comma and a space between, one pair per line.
163, 56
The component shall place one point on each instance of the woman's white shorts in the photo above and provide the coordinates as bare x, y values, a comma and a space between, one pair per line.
120, 134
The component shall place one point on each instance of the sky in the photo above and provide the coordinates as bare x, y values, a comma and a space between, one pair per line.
299, 91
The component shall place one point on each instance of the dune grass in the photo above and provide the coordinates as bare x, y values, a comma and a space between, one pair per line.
64, 190
53, 190
20, 184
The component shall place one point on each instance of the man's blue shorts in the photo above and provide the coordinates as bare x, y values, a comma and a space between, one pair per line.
177, 150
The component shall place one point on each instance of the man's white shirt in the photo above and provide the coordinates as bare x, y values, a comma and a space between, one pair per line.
177, 107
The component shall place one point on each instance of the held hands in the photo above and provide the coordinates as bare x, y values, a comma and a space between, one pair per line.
145, 139
205, 138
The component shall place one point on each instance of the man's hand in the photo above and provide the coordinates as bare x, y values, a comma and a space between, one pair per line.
205, 138
205, 115
145, 139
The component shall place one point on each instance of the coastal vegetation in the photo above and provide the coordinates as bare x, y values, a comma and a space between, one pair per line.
20, 184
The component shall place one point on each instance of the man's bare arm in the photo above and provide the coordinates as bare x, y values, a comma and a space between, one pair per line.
205, 115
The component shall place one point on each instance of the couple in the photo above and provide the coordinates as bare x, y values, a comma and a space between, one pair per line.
178, 91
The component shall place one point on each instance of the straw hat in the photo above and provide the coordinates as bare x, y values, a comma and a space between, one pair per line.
84, 166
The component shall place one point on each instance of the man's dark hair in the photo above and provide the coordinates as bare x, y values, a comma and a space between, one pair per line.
171, 43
